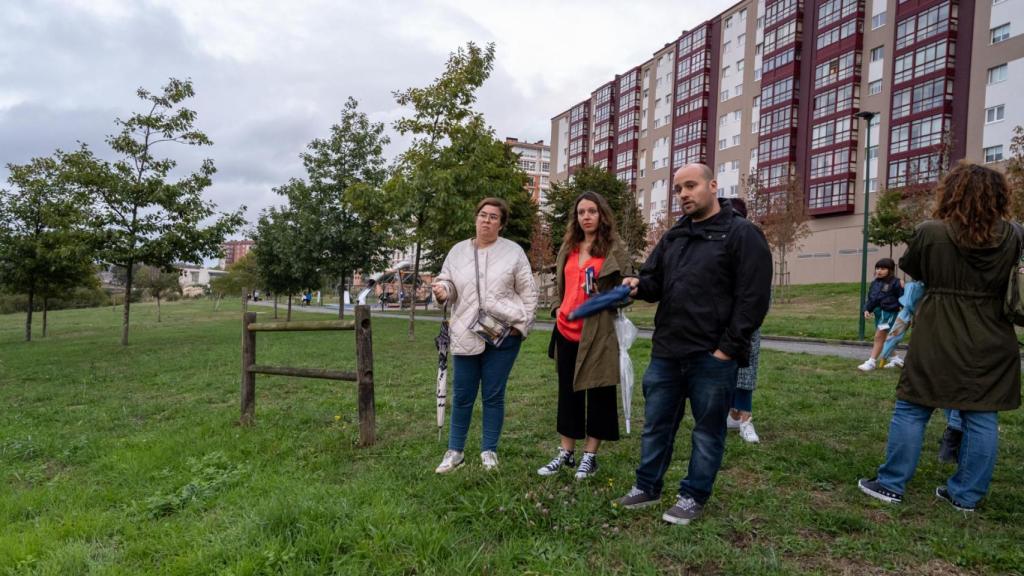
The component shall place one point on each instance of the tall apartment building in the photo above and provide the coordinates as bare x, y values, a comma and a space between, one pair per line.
234, 250
774, 86
535, 160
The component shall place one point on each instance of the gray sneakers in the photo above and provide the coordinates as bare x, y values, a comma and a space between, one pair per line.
636, 499
685, 510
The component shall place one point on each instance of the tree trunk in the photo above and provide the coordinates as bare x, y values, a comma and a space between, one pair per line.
127, 305
289, 317
28, 315
412, 309
46, 302
275, 305
158, 308
341, 298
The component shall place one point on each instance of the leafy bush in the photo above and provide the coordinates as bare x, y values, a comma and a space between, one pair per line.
77, 298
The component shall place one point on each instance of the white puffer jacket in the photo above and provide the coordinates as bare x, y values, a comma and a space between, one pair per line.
506, 282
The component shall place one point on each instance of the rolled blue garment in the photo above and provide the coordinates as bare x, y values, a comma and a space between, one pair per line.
614, 298
912, 293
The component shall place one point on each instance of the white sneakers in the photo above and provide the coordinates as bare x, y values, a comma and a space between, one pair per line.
452, 460
745, 427
489, 459
894, 362
867, 366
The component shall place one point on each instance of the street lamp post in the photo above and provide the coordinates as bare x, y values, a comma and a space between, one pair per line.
864, 246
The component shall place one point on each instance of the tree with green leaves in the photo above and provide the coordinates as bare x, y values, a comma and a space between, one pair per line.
46, 248
629, 221
281, 254
454, 161
345, 229
159, 283
888, 226
142, 214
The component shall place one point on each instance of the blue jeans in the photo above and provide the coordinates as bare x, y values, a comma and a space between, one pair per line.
953, 419
977, 451
488, 371
743, 400
709, 384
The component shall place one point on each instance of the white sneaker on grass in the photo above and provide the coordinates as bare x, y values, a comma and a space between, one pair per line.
868, 365
489, 459
747, 432
894, 362
732, 423
452, 460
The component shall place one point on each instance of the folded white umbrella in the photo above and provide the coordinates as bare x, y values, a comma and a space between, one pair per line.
626, 333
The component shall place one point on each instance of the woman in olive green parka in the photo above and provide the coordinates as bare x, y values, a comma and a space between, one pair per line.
586, 352
965, 353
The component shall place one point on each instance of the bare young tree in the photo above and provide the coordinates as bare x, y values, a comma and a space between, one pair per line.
780, 209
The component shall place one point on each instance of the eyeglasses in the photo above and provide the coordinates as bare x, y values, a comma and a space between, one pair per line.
488, 216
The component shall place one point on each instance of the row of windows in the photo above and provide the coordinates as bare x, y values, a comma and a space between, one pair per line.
603, 95
922, 26
918, 169
577, 147
691, 87
603, 112
624, 160
773, 148
925, 96
691, 105
626, 175
628, 136
836, 69
778, 60
834, 10
578, 113
834, 163
691, 131
831, 194
628, 120
575, 161
836, 34
691, 40
577, 130
692, 64
691, 154
836, 100
923, 61
832, 132
628, 81
603, 132
917, 134
782, 36
777, 93
779, 11
776, 175
629, 100
779, 119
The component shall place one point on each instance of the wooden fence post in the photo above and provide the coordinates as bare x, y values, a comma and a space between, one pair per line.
248, 378
364, 370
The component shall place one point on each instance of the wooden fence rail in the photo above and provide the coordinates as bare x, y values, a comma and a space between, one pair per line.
363, 375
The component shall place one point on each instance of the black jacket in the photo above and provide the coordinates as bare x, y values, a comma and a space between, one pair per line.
885, 294
713, 282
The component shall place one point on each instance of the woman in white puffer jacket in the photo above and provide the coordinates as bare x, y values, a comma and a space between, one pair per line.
510, 295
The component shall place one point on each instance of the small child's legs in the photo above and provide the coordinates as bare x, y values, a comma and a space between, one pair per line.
876, 349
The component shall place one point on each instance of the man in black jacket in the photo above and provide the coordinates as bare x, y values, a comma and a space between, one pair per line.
712, 274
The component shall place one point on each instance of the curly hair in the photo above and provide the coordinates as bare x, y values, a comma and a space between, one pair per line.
605, 226
973, 200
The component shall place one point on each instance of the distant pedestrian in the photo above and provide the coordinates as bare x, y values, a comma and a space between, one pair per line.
883, 304
965, 354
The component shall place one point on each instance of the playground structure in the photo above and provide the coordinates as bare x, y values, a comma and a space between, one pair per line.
363, 374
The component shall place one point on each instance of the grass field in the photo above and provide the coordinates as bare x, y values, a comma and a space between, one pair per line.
128, 461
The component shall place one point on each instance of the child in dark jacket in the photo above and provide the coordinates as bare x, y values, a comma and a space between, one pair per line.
883, 303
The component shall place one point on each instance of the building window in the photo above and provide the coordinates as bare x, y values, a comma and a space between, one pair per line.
994, 153
877, 53
997, 74
1000, 33
878, 20
725, 95
725, 71
836, 34
836, 69
739, 66
994, 114
736, 140
723, 144
727, 46
875, 87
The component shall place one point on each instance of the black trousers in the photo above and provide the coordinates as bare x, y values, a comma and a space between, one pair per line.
592, 412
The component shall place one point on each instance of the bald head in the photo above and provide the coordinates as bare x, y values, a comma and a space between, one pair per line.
697, 189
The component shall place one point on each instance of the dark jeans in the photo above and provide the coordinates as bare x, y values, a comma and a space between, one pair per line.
709, 384
487, 371
583, 413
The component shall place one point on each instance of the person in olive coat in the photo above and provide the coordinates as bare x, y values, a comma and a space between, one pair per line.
586, 351
965, 353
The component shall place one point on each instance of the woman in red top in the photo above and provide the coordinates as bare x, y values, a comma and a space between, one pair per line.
586, 351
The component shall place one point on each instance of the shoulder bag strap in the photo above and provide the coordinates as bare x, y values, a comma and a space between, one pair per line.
476, 265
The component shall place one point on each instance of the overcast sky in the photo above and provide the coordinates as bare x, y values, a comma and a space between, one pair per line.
271, 76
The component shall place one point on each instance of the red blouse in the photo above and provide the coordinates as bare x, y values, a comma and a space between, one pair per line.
575, 279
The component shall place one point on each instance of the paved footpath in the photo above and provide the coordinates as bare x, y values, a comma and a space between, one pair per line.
851, 350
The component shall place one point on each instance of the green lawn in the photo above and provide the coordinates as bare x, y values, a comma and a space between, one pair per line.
128, 461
